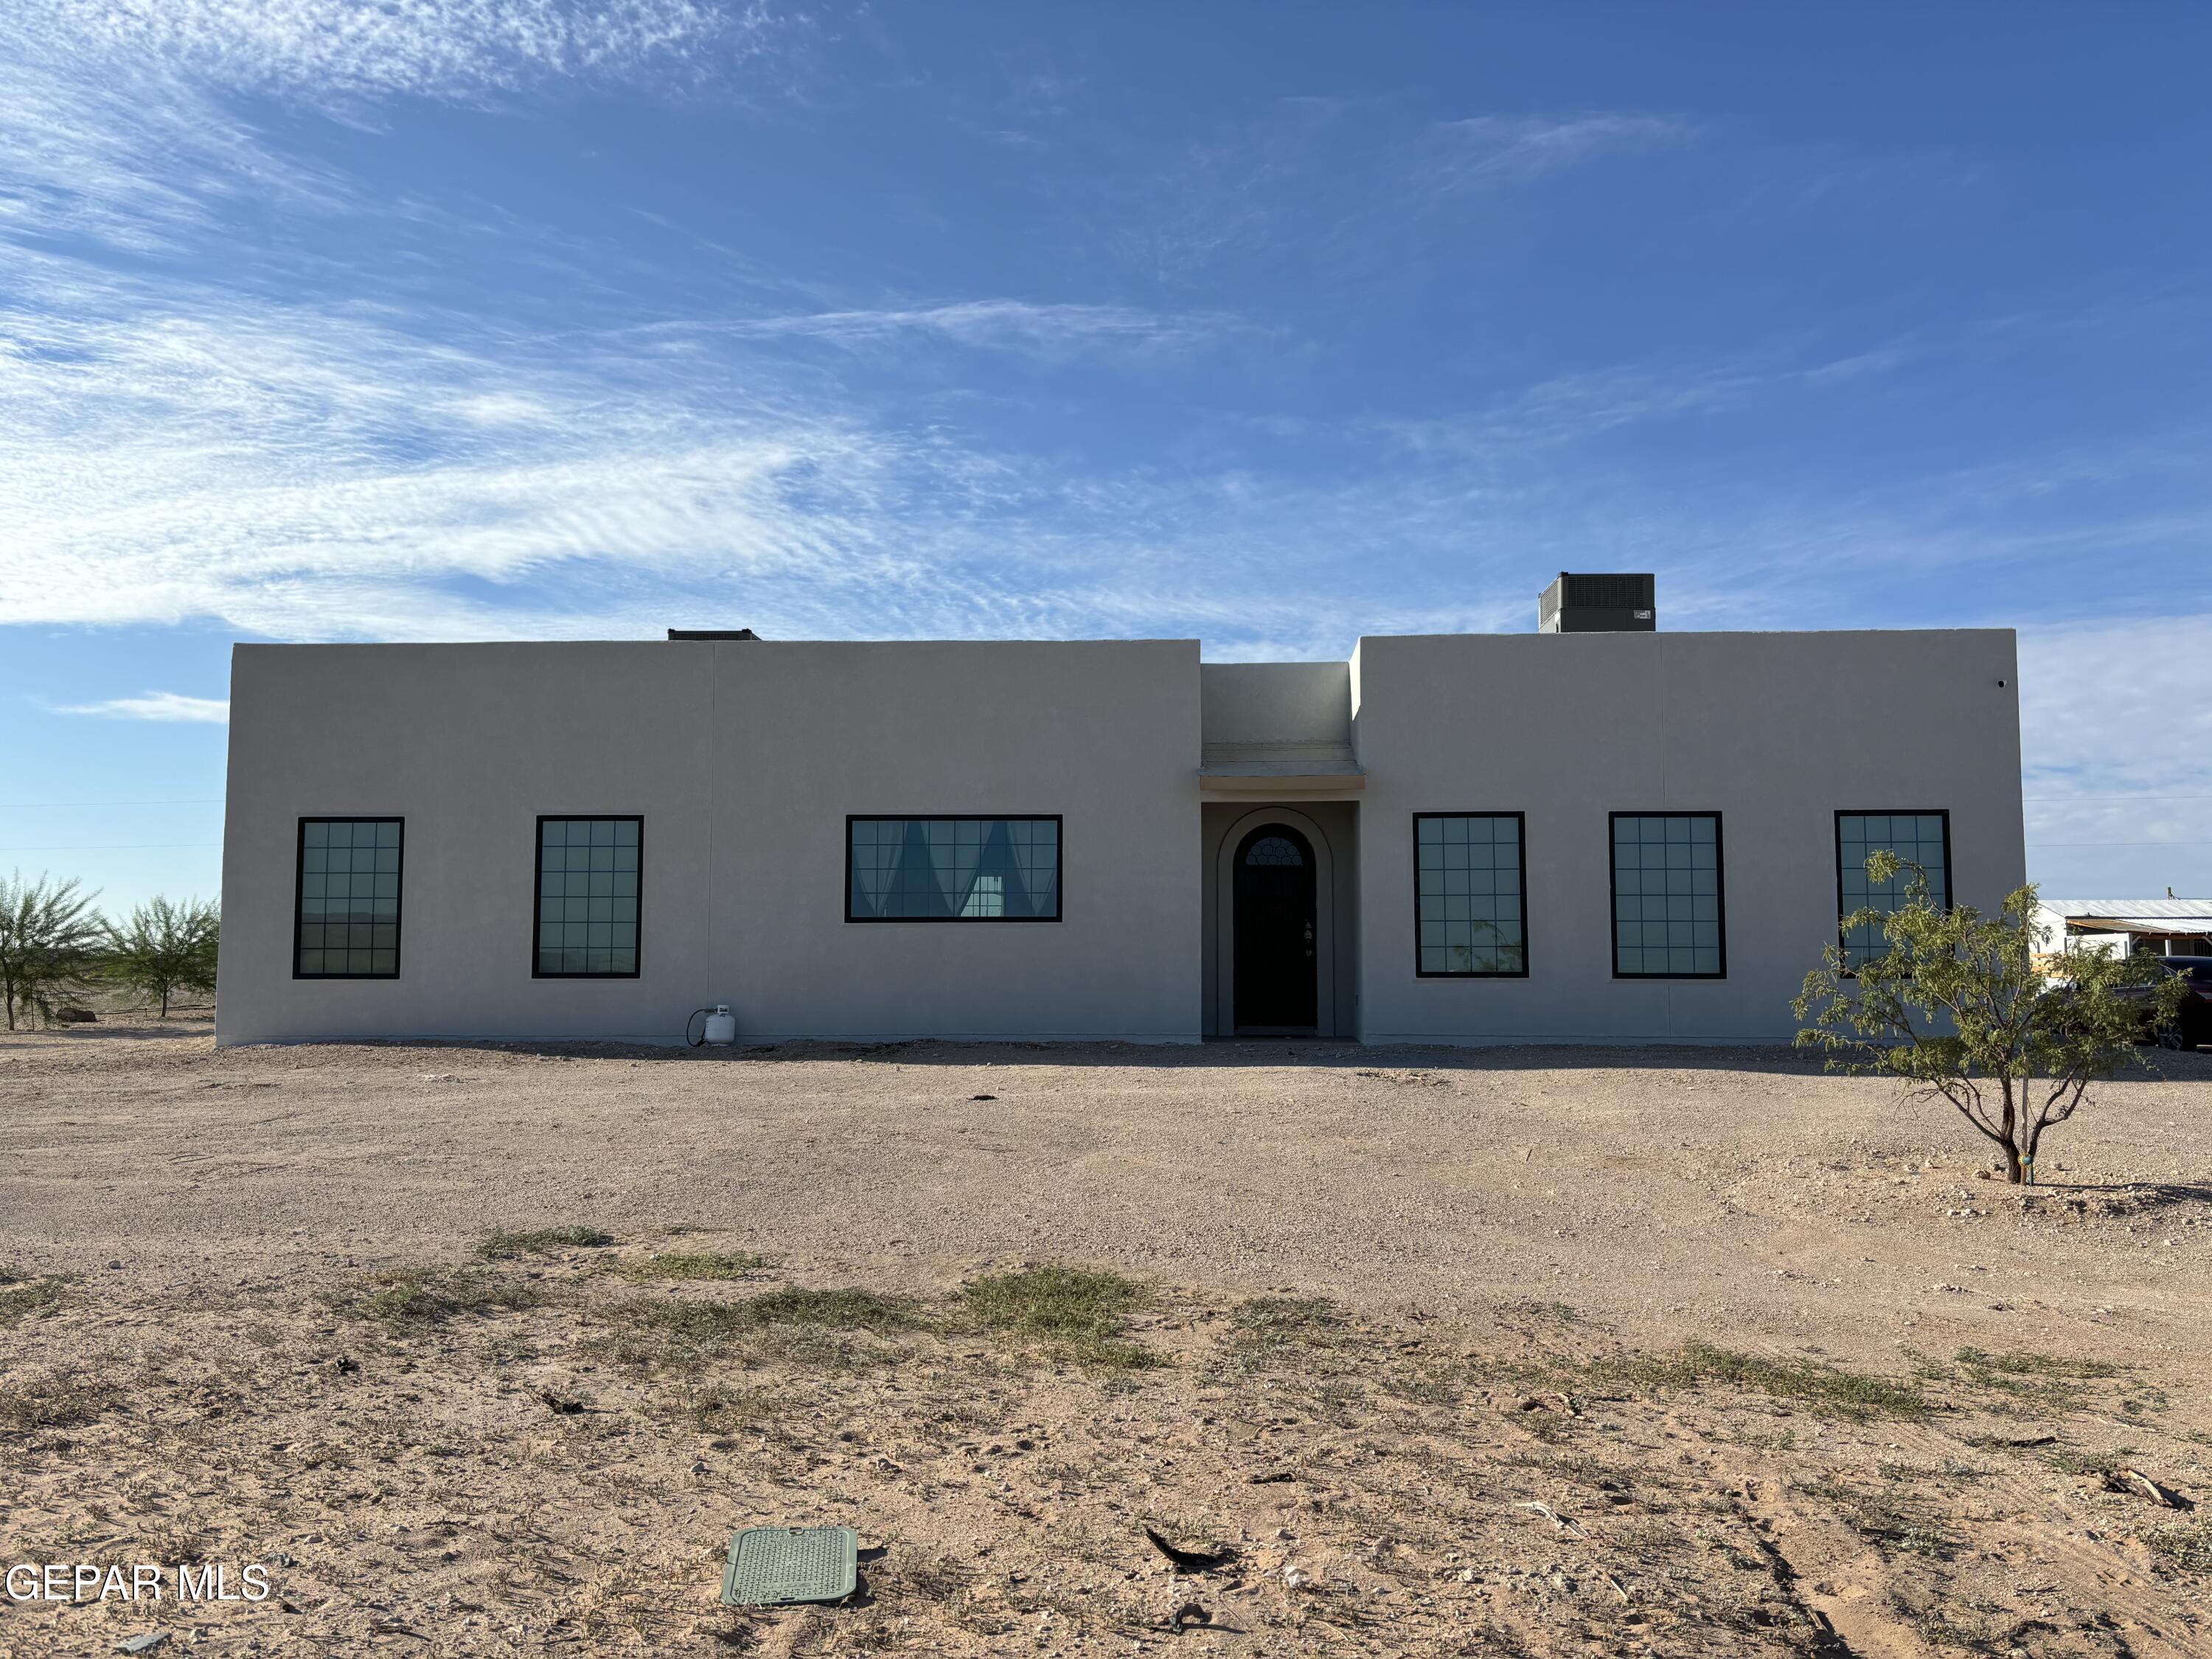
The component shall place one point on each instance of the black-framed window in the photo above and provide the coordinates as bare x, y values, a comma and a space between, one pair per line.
1921, 837
951, 869
586, 915
345, 911
1669, 918
1471, 895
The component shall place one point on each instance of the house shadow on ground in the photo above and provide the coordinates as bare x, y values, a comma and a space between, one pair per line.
1775, 1059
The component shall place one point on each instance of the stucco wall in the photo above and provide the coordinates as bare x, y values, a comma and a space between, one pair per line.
743, 759
1104, 735
1775, 732
1277, 702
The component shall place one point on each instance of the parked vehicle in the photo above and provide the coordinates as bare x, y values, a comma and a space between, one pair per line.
2193, 1025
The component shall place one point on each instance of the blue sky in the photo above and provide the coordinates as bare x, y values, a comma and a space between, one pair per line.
1271, 324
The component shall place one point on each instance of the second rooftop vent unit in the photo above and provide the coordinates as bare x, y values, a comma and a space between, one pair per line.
1598, 605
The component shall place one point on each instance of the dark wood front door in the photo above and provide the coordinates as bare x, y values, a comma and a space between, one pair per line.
1275, 966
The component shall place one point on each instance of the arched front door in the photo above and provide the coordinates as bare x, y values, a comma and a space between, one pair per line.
1275, 931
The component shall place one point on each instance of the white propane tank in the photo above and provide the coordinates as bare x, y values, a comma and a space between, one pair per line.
721, 1026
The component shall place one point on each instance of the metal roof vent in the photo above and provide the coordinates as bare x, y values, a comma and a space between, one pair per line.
1598, 605
711, 634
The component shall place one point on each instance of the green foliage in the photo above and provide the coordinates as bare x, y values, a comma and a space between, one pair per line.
1981, 1365
1275, 1320
1077, 1312
32, 1299
816, 1329
58, 1399
429, 1296
50, 939
544, 1241
165, 948
1820, 1387
2188, 1548
1958, 1009
695, 1265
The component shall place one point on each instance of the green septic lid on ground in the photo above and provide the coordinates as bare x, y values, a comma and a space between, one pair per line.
770, 1564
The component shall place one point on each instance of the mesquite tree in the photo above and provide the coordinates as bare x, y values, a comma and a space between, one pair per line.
1958, 1008
49, 943
166, 948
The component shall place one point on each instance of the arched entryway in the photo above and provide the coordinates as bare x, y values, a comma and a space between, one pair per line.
1276, 931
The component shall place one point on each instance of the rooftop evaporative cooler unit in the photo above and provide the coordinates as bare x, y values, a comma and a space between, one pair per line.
1598, 605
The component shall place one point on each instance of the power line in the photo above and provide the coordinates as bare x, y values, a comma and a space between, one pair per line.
2050, 798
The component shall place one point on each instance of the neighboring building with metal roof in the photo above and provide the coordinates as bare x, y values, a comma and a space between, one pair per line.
2164, 926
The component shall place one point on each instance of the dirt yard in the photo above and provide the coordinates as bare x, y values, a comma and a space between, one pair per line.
483, 1350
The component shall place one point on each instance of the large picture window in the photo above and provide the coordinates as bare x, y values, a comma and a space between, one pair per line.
345, 915
1667, 919
1471, 892
952, 869
587, 898
1921, 838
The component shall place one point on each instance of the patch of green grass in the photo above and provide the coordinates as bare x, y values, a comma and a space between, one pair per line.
53, 1400
1432, 1385
1272, 1319
2041, 1379
544, 1241
1269, 1333
806, 1327
1827, 1389
32, 1298
695, 1265
2189, 1548
1911, 1473
1899, 1531
661, 1327
845, 1309
2023, 1363
717, 1408
1076, 1312
2069, 1462
1893, 1523
429, 1295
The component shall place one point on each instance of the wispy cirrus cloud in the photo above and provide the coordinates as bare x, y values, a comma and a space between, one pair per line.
1056, 330
172, 706
318, 51
1499, 149
1351, 187
186, 447
319, 470
120, 124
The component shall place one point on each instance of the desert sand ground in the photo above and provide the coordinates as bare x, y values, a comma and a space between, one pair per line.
1534, 1352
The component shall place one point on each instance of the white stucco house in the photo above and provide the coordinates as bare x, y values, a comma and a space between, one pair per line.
1597, 831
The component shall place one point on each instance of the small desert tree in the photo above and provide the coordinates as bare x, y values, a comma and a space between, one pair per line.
165, 948
1958, 1008
50, 939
